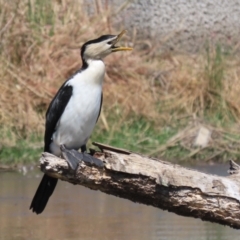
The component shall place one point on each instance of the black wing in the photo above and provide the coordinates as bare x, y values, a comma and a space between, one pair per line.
54, 113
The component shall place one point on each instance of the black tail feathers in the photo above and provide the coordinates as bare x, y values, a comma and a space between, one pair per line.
43, 193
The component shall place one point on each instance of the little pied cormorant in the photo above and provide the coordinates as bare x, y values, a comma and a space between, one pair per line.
74, 111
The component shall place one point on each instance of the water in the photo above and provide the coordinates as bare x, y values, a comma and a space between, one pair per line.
75, 212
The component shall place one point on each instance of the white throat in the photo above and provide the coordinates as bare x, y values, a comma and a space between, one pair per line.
95, 71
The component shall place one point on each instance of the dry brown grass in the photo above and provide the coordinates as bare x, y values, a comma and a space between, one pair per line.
40, 49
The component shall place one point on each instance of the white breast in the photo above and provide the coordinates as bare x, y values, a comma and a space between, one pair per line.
79, 118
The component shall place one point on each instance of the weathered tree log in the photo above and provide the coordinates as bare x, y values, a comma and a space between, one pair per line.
153, 182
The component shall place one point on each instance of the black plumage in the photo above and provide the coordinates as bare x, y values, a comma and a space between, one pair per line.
54, 112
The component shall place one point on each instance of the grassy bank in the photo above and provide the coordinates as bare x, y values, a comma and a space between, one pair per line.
155, 102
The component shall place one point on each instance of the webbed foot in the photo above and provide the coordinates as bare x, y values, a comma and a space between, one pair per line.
73, 157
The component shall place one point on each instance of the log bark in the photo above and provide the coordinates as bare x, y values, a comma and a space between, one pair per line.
153, 182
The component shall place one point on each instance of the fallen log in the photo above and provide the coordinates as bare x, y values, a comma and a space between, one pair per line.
151, 181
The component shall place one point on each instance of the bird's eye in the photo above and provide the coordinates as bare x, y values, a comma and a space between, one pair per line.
110, 42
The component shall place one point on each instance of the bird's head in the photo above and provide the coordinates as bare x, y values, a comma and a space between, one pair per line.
102, 46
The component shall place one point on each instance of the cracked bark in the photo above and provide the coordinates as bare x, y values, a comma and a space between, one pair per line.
154, 182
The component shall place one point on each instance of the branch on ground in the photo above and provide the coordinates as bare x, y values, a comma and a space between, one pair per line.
152, 182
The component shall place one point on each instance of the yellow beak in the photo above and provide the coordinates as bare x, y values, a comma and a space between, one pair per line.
117, 48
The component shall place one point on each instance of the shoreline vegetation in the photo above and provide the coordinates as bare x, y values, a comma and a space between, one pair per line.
155, 102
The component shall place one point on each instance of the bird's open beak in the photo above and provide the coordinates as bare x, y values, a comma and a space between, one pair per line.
117, 48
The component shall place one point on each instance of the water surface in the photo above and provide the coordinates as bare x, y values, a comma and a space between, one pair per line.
75, 212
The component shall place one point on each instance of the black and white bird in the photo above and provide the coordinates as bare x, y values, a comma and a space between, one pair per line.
74, 111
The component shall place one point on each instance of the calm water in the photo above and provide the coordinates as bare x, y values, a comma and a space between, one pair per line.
75, 212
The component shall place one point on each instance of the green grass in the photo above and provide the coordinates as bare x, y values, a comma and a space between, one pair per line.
136, 134
140, 135
40, 13
215, 67
23, 151
217, 108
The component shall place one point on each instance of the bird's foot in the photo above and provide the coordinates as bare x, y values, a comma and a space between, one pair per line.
87, 158
74, 157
